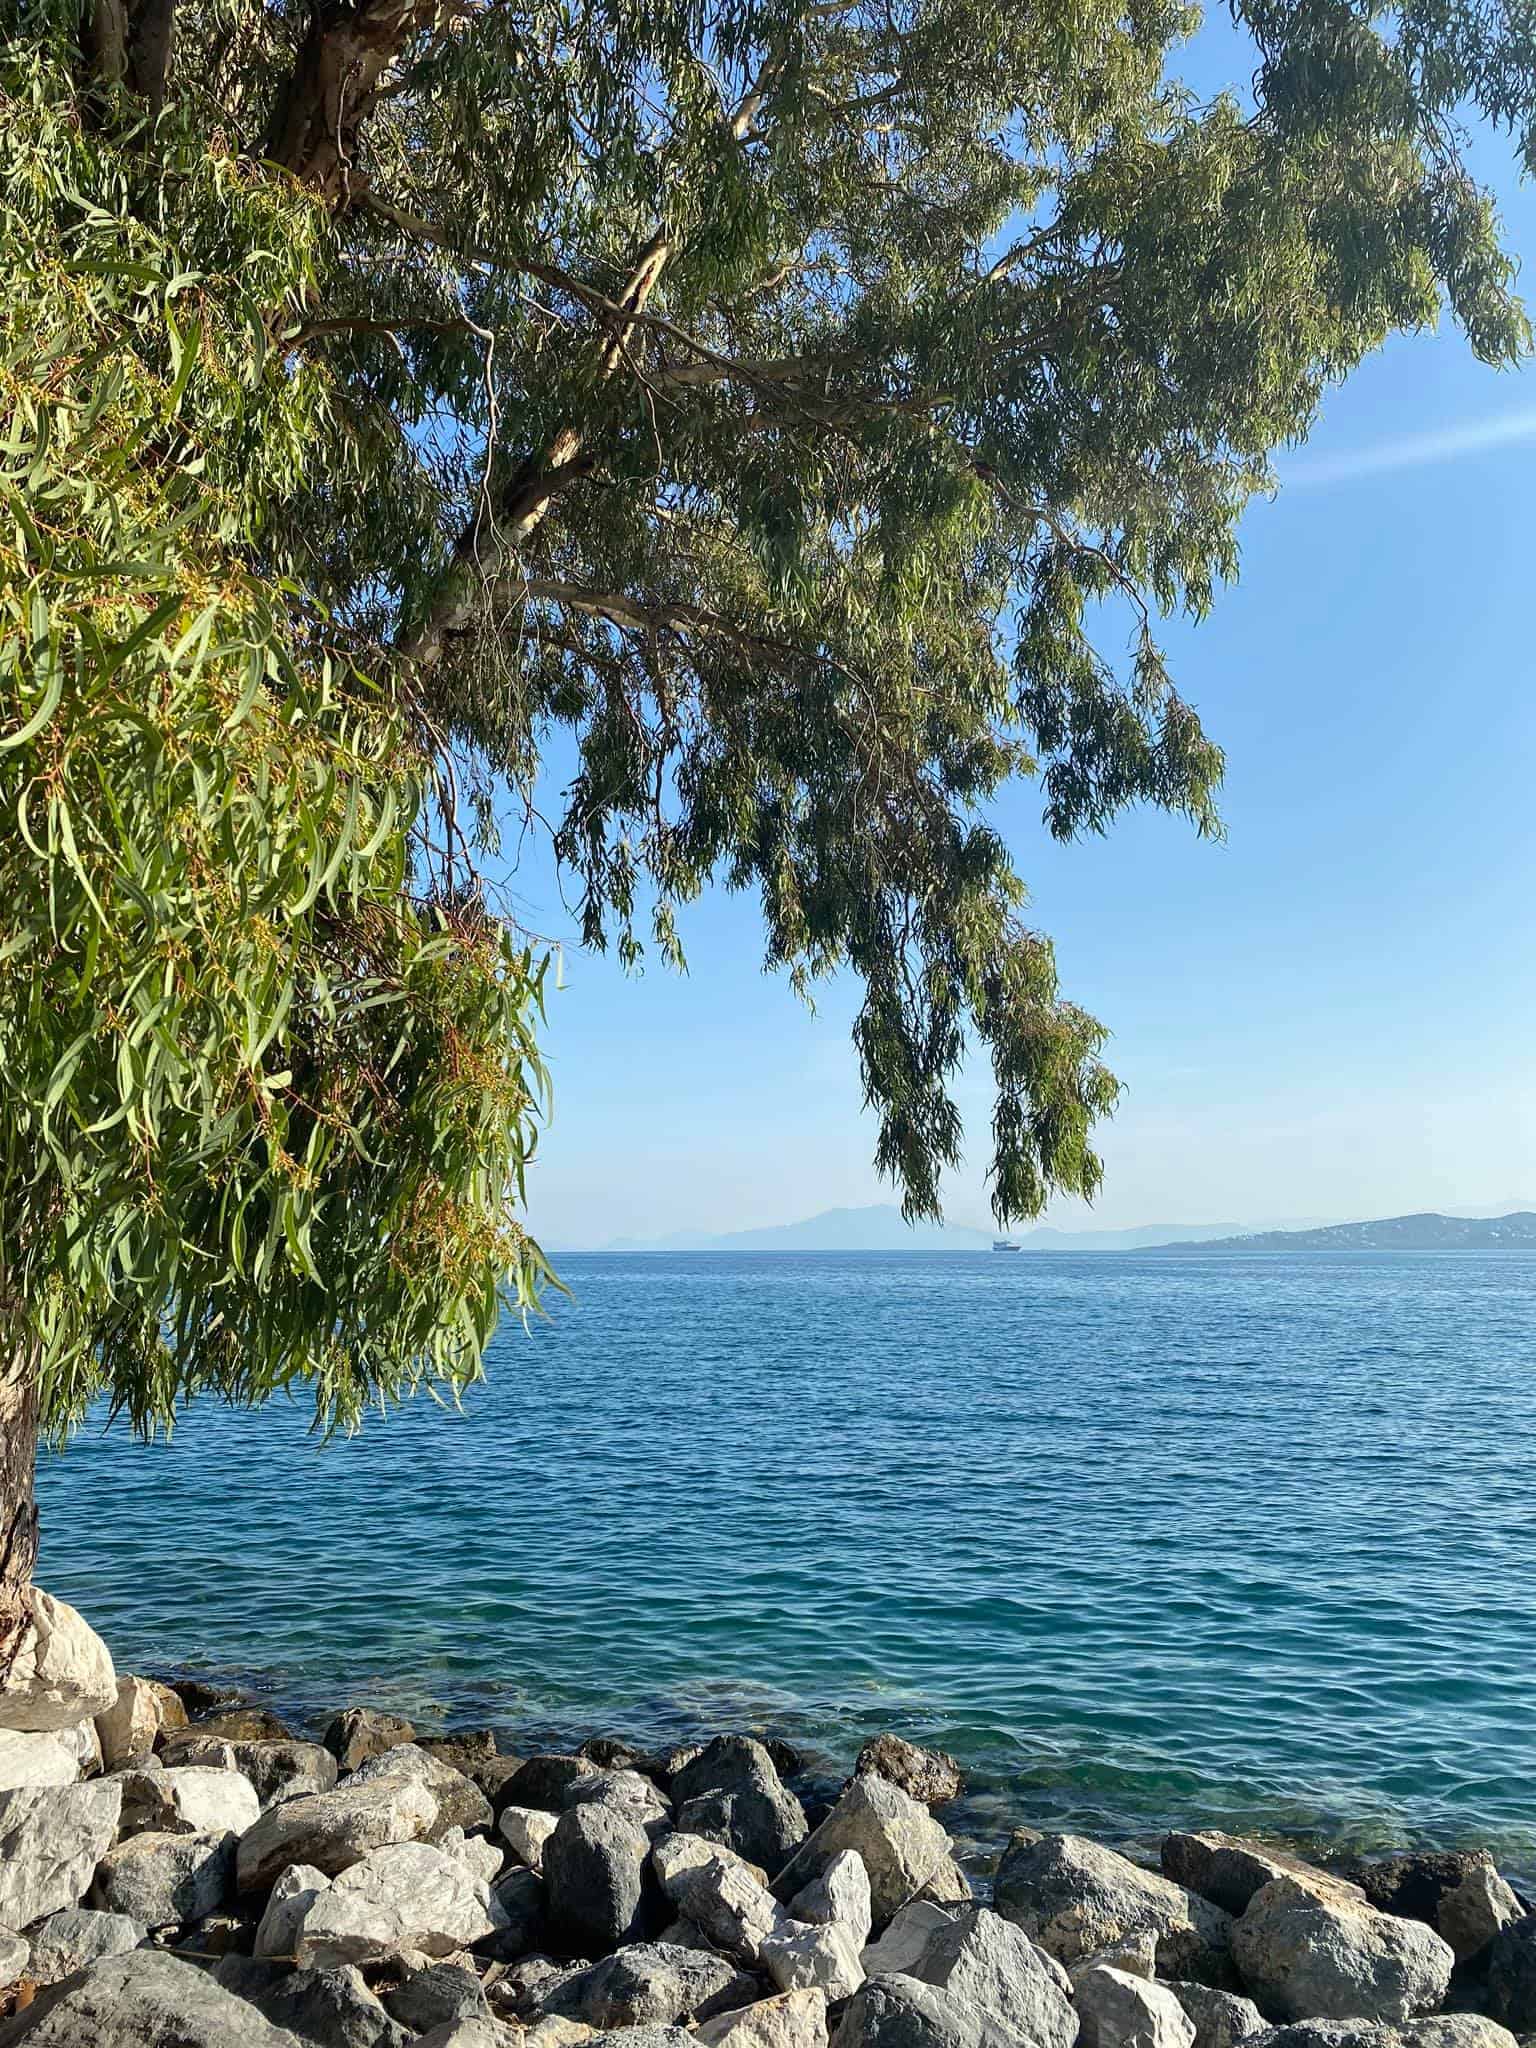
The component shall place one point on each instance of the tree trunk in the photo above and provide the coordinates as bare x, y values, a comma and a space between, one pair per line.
18, 1505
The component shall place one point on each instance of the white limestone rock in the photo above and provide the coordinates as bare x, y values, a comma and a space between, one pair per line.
1118, 2010
720, 1893
795, 2019
407, 1896
526, 1829
333, 1830
129, 1727
994, 1971
902, 1846
840, 1897
34, 1759
292, 1896
51, 1839
906, 1939
823, 1958
191, 1799
61, 1673
1075, 1898
77, 1937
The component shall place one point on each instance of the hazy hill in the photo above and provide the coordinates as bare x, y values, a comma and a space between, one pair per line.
1426, 1232
881, 1229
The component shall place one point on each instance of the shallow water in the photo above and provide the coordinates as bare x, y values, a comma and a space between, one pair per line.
1238, 1541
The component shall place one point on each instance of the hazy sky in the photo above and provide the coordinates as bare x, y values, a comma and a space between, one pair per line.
1327, 1016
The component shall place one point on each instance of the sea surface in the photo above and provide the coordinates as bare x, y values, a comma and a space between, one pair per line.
1245, 1541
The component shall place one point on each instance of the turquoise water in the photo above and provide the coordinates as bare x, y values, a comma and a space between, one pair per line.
1234, 1540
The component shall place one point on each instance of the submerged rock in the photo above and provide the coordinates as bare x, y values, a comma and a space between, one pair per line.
927, 1775
359, 1733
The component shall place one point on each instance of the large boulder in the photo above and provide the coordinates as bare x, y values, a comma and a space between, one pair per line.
358, 1734
149, 1999
1310, 1953
927, 1775
51, 1839
1468, 1915
407, 1896
899, 2012
902, 1846
820, 1957
283, 1769
436, 1996
1229, 1869
1504, 1984
840, 1897
277, 1933
594, 1876
35, 1759
459, 1800
795, 2019
994, 1970
732, 1793
60, 1672
163, 1878
335, 1829
192, 1799
1437, 2030
651, 1983
719, 1892
1221, 2019
1118, 2010
77, 1937
1458, 1892
546, 1781
1075, 1899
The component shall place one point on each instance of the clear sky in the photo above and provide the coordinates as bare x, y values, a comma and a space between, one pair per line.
1328, 1016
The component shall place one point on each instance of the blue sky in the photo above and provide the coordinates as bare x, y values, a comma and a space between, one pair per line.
1327, 1016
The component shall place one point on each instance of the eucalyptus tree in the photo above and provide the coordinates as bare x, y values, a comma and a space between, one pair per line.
802, 410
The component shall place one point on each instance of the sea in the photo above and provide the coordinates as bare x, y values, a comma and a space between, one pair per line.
1245, 1541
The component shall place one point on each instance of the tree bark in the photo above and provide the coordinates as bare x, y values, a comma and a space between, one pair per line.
18, 1505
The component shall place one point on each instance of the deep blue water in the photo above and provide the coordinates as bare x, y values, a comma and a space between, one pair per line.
1242, 1541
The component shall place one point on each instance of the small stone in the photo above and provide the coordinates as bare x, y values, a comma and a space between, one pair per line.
35, 1759
1076, 1899
1310, 1955
927, 1775
1221, 2019
555, 2032
839, 1897
435, 1996
720, 1893
796, 2019
1118, 2010
464, 2034
163, 1878
77, 1937
51, 1839
527, 1829
901, 1844
360, 1733
60, 1671
594, 1875
149, 1999
292, 1896
185, 1746
130, 1726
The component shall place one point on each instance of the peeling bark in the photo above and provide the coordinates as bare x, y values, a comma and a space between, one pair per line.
347, 49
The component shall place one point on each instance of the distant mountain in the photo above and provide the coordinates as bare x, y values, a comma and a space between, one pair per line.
881, 1229
1426, 1232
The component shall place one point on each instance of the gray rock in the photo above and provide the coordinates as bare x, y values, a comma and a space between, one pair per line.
526, 1829
594, 1875
1412, 1885
1136, 1955
406, 1896
51, 1839
732, 1793
994, 1971
648, 1983
901, 1844
244, 1723
523, 1910
641, 2037
839, 1897
190, 1746
627, 1792
465, 2034
216, 1934
35, 1759
476, 1852
1471, 1913
149, 1999
1075, 1898
285, 1769
1221, 2018
1439, 2030
1309, 1954
795, 2019
15, 1951
908, 1935
1229, 1869
822, 1958
899, 2012
358, 1733
436, 1997
60, 1671
162, 1878
460, 1802
335, 1829
719, 1892
927, 1775
77, 1937
332, 2008
1506, 1976
292, 1896
546, 1781
1118, 2010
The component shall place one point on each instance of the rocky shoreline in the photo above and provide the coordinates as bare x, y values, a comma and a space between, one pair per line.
181, 1871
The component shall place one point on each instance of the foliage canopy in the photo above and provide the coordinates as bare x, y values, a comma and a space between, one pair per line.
787, 401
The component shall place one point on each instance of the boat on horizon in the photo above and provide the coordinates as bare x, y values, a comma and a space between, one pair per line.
1006, 1244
